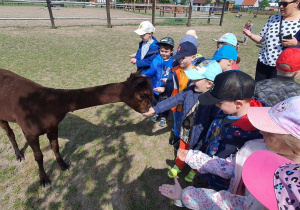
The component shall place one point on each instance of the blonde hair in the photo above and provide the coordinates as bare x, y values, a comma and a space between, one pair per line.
292, 142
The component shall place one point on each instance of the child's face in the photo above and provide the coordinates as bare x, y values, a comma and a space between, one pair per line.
202, 85
186, 61
146, 37
220, 44
225, 64
165, 53
276, 143
228, 107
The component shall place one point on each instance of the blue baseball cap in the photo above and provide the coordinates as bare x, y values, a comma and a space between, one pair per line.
185, 49
207, 69
225, 52
228, 38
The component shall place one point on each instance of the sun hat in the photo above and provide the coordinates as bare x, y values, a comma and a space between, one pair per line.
272, 179
166, 40
225, 52
283, 118
291, 57
145, 27
230, 85
229, 38
192, 33
185, 49
207, 69
189, 38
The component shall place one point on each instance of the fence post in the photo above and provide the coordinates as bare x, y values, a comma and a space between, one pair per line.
50, 14
108, 14
175, 9
221, 20
209, 13
190, 15
153, 12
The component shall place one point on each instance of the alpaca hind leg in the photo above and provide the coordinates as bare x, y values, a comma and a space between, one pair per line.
53, 139
38, 156
12, 138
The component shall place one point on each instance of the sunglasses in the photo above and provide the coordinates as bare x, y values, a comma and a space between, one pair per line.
285, 4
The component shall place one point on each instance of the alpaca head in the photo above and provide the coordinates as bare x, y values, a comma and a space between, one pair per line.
138, 93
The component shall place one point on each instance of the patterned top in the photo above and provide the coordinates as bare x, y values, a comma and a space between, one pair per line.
271, 34
202, 198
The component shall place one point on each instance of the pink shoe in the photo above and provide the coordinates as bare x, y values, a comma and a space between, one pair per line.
244, 43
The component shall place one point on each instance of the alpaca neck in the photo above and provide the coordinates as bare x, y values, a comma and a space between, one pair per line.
93, 96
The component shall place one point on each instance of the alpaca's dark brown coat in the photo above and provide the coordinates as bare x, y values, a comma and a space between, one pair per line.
39, 110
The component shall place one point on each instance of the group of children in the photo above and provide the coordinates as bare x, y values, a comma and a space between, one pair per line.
210, 99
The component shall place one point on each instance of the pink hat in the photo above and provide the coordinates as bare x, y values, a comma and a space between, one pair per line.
283, 118
273, 180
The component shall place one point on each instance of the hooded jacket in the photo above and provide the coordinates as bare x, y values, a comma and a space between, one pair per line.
144, 64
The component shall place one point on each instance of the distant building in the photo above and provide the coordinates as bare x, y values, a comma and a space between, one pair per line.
250, 3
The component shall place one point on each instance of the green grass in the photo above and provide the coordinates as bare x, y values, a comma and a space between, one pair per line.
118, 157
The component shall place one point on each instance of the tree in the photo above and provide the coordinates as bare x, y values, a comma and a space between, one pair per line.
208, 1
263, 4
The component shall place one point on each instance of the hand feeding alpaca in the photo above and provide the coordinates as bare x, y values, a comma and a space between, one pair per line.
39, 110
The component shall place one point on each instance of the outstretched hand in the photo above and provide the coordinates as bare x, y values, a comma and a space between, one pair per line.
181, 154
173, 192
247, 32
151, 111
159, 89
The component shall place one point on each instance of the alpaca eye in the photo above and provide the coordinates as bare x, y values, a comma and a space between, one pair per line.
143, 96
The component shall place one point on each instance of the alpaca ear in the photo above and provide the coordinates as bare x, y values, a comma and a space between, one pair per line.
141, 81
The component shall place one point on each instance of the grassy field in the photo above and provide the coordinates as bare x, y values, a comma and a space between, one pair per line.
118, 157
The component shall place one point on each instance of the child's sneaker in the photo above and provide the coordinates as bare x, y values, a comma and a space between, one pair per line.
155, 118
190, 176
174, 171
163, 122
174, 140
244, 43
178, 203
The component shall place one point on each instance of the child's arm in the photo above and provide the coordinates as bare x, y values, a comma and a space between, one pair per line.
146, 61
206, 164
202, 198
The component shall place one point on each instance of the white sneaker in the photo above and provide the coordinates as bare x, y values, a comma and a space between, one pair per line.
178, 203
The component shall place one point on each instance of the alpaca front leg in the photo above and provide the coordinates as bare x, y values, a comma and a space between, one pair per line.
38, 156
53, 139
12, 138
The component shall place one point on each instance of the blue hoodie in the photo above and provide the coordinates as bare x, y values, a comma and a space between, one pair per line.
158, 70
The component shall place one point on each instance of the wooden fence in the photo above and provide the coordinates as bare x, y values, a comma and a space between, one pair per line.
161, 9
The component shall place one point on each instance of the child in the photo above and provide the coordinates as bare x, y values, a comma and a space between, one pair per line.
186, 54
284, 86
248, 26
233, 93
229, 39
192, 114
277, 126
159, 71
226, 56
266, 173
148, 49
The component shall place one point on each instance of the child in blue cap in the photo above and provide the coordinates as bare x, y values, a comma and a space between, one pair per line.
226, 56
194, 118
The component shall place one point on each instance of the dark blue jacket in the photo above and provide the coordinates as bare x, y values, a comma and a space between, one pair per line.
144, 64
204, 114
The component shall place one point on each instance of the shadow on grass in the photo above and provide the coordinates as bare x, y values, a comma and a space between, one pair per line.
100, 161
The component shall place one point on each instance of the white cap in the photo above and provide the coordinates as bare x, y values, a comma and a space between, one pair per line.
145, 27
192, 33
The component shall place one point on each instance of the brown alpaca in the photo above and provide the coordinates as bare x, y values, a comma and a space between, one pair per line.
39, 110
